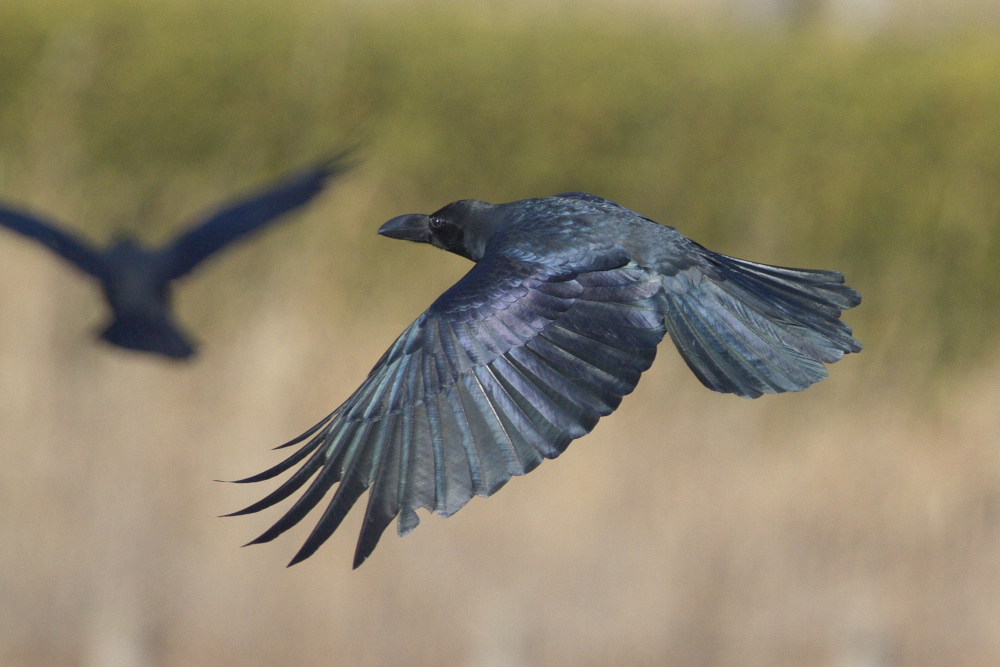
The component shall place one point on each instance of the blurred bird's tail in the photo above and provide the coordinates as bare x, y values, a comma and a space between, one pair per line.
751, 329
146, 333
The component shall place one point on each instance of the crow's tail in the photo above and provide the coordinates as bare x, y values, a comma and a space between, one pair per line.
147, 333
750, 329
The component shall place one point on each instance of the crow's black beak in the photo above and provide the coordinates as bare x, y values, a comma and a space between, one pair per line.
412, 227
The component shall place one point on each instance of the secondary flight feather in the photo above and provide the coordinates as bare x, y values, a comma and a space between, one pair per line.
556, 321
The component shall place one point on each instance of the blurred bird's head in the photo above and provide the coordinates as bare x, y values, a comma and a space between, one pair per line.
462, 227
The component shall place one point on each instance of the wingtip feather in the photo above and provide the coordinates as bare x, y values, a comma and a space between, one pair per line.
341, 162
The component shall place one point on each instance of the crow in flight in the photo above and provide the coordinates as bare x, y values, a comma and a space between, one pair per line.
561, 313
136, 280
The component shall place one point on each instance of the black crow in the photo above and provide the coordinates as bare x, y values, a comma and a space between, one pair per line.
562, 312
136, 279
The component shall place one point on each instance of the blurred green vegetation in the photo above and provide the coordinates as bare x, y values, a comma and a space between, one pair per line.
877, 157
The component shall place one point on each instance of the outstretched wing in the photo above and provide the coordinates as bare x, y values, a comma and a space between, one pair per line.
247, 216
70, 247
506, 368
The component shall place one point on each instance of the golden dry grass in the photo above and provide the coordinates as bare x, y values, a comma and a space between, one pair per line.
689, 528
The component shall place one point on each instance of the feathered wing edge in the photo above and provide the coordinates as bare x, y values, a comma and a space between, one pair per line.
241, 218
69, 246
455, 408
749, 329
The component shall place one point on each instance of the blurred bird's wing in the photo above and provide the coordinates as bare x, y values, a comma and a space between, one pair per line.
507, 367
247, 216
70, 247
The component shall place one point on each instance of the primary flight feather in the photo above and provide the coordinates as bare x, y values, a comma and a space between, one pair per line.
560, 315
136, 280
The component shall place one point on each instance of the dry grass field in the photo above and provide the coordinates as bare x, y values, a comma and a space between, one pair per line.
854, 525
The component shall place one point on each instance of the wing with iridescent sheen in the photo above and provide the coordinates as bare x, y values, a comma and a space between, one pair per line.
505, 369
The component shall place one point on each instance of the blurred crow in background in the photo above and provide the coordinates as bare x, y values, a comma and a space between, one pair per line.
565, 306
136, 280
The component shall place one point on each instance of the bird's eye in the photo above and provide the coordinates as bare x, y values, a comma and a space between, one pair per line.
437, 223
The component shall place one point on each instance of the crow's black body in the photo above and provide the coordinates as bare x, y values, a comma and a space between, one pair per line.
562, 312
136, 280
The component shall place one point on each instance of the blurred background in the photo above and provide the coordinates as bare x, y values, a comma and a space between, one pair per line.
854, 525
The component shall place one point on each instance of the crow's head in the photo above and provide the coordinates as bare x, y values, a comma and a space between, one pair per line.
461, 227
